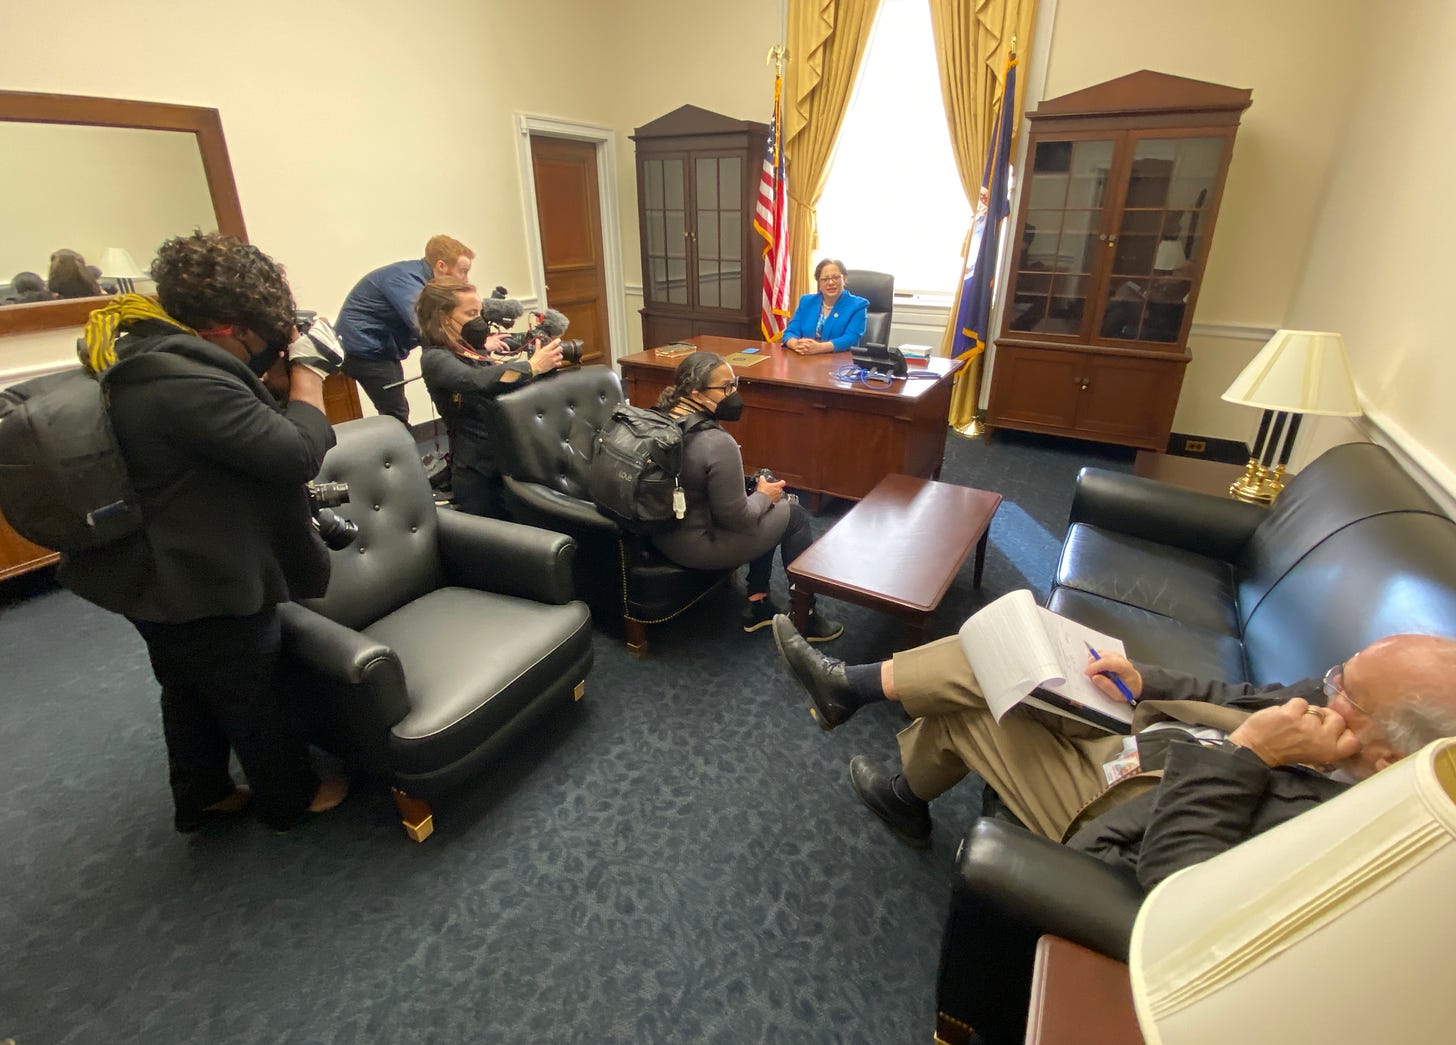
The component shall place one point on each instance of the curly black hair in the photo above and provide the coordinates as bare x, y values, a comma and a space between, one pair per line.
210, 278
692, 375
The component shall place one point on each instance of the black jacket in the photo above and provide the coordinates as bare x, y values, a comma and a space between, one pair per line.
1209, 799
219, 468
461, 389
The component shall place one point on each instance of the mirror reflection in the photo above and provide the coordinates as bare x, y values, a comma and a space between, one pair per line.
84, 208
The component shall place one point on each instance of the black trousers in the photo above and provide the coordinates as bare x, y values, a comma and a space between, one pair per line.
221, 690
373, 375
478, 493
796, 540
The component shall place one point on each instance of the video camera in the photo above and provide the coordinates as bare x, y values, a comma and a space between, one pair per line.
499, 312
338, 533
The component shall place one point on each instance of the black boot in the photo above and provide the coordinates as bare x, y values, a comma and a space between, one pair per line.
822, 677
908, 818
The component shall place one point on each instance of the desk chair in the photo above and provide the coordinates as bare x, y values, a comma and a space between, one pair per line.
879, 289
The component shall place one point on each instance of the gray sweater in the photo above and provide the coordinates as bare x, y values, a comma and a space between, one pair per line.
723, 528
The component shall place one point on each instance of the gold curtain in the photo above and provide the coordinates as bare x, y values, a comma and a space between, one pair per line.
972, 41
826, 44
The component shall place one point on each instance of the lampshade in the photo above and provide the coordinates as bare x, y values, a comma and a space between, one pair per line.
1301, 371
1169, 256
1335, 926
118, 262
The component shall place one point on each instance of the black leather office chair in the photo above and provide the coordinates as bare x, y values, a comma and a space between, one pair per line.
879, 289
441, 636
543, 436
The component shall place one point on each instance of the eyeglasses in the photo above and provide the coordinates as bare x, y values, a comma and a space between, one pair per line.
831, 279
731, 386
1334, 686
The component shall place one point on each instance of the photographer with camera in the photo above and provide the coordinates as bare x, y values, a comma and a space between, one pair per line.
726, 525
465, 365
216, 401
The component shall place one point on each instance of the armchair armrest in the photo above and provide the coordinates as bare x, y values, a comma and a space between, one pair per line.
352, 686
544, 506
1010, 888
1199, 522
506, 558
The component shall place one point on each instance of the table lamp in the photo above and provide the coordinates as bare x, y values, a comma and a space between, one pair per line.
1335, 926
1297, 372
118, 264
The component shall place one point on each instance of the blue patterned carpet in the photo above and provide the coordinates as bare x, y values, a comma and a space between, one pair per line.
677, 859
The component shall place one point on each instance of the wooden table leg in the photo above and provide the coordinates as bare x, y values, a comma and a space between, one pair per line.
915, 631
800, 600
816, 501
981, 556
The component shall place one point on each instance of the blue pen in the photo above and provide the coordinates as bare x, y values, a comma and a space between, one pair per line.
1121, 685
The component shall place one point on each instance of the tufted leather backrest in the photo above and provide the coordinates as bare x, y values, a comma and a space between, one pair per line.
543, 432
395, 558
878, 288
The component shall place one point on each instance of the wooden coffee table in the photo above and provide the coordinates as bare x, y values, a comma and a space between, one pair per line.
898, 549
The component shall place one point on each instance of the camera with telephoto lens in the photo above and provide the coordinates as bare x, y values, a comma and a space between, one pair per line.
338, 533
528, 341
751, 482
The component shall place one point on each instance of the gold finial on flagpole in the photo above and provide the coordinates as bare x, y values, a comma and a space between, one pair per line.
777, 55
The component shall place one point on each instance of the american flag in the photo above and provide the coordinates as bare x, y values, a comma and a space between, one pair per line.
771, 219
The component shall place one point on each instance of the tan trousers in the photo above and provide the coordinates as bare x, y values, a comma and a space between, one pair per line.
1044, 767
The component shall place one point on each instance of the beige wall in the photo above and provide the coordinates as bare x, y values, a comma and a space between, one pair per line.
1381, 263
1303, 85
357, 128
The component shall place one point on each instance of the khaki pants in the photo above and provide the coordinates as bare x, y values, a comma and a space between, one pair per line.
1044, 767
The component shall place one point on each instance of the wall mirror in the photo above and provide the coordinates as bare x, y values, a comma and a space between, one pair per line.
95, 174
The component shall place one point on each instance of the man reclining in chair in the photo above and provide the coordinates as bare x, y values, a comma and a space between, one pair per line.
1235, 760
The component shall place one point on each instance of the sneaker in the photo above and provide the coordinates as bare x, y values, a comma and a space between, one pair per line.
759, 614
819, 628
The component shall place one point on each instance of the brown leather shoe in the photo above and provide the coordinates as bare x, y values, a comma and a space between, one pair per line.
332, 790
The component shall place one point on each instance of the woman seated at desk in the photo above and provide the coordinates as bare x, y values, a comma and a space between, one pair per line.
833, 320
461, 381
726, 527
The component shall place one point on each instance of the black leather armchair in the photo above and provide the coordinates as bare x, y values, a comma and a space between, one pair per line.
441, 635
544, 434
1010, 888
879, 289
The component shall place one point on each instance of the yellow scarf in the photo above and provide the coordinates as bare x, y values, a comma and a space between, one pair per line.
98, 350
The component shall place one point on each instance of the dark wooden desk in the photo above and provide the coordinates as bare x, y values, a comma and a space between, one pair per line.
820, 434
897, 550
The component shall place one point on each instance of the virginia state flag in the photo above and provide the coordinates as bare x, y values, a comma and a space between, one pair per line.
992, 207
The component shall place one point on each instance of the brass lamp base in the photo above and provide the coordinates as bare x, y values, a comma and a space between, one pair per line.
1258, 484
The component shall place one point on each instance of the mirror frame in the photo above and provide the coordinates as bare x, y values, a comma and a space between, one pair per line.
205, 124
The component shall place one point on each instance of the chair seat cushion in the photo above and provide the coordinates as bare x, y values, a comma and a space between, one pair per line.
1155, 639
472, 661
1186, 586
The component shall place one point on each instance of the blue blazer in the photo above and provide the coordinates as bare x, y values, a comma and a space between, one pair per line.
844, 326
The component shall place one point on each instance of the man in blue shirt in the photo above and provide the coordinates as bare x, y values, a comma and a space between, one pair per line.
377, 321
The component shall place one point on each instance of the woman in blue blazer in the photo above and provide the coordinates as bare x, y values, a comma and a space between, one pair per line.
832, 320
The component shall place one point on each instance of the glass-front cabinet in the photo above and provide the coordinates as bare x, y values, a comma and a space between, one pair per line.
696, 190
1117, 211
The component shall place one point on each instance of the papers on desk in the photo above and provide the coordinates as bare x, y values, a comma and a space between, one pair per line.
740, 359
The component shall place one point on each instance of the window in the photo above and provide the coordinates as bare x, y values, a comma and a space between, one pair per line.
894, 202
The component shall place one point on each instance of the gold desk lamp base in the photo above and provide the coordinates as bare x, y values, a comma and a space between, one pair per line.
1258, 484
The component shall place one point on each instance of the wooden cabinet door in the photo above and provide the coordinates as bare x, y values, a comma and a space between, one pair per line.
1128, 400
662, 183
1039, 388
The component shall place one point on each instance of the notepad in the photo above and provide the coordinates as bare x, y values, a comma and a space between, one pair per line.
740, 359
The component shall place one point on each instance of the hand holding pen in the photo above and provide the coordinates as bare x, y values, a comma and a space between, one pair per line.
1114, 669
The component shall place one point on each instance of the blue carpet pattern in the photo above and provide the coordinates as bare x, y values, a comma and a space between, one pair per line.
679, 858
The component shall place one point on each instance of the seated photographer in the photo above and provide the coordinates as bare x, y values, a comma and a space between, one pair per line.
462, 378
725, 526
833, 320
220, 468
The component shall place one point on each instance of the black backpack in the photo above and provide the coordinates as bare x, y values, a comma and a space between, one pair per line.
63, 482
635, 462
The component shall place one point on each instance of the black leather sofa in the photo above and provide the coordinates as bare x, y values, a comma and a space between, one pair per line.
1352, 550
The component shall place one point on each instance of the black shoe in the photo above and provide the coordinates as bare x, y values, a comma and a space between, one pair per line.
759, 614
876, 789
822, 629
193, 820
822, 677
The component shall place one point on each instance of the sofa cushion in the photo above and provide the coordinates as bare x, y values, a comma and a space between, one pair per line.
473, 660
1185, 586
1154, 639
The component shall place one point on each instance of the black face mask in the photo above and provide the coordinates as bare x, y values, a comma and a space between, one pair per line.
261, 363
730, 407
475, 332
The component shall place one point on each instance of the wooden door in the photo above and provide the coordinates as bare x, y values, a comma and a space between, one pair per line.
569, 216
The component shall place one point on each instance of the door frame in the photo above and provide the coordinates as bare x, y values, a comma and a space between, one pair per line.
605, 140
